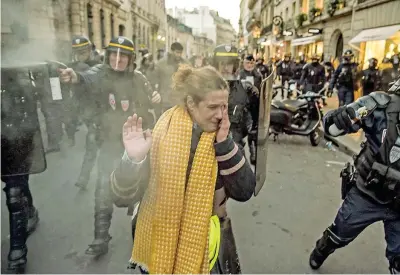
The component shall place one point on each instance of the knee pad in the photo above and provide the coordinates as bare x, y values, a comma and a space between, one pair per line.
14, 196
394, 266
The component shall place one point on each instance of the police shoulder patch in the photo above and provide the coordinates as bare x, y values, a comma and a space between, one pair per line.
121, 40
228, 48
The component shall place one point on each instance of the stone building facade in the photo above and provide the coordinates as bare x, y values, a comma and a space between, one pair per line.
143, 21
100, 20
149, 25
226, 34
179, 32
35, 30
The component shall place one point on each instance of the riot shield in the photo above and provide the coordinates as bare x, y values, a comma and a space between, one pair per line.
22, 150
265, 99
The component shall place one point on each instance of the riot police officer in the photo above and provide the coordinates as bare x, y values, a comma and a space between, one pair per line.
22, 153
84, 58
262, 68
285, 71
371, 190
226, 61
120, 91
344, 79
370, 78
249, 71
313, 75
249, 75
298, 69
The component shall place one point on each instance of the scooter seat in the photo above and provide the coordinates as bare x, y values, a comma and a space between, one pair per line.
290, 104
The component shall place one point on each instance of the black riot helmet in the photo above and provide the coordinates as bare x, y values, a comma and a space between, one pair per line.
117, 50
82, 49
395, 87
348, 55
226, 60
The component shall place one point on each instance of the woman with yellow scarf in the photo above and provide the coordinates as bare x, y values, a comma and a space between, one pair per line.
192, 168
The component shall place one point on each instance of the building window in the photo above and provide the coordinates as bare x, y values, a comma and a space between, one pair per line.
293, 9
112, 25
121, 30
304, 6
102, 29
90, 21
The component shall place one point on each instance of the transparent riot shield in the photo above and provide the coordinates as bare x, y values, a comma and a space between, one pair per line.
22, 150
265, 99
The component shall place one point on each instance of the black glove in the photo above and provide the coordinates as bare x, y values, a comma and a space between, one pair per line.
330, 93
342, 118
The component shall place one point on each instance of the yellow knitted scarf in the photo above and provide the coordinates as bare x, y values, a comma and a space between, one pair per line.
173, 223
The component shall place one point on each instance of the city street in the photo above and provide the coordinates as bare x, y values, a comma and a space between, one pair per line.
275, 232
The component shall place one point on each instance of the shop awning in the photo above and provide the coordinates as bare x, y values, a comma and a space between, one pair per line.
306, 40
374, 34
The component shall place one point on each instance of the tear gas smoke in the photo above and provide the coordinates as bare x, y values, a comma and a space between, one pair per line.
32, 31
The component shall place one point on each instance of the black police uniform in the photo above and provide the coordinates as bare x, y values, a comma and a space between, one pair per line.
370, 79
313, 77
87, 110
238, 102
344, 78
118, 95
372, 192
22, 153
285, 71
262, 69
298, 70
254, 107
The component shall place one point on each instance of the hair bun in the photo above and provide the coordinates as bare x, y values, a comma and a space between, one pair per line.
179, 78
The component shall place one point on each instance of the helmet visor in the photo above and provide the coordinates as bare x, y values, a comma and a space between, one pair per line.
227, 68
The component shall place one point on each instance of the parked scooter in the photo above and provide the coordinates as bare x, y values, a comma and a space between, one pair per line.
297, 117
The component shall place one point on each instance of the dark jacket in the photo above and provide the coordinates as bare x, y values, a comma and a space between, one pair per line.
313, 77
344, 76
85, 99
118, 95
235, 178
257, 77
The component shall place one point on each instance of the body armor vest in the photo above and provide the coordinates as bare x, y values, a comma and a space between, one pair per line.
122, 95
379, 171
238, 101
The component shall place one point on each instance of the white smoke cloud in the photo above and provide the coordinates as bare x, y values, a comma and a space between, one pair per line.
28, 31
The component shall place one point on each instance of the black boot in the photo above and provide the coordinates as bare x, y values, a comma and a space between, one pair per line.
18, 229
32, 212
324, 247
394, 267
102, 219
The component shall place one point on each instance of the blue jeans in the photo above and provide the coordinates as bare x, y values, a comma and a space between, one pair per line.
345, 95
358, 212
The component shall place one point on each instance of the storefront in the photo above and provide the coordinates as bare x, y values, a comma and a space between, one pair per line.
308, 45
377, 42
